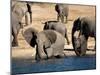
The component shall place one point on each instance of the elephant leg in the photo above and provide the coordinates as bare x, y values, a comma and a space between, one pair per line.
27, 19
15, 41
62, 18
37, 56
58, 17
49, 52
67, 38
30, 17
66, 19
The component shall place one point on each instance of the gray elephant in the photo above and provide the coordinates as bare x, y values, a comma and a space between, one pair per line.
19, 9
22, 9
49, 43
62, 11
86, 26
80, 45
58, 26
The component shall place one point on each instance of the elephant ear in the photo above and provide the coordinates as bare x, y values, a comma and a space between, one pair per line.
51, 36
30, 36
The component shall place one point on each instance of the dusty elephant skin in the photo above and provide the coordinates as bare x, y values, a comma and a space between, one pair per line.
57, 26
87, 28
17, 13
62, 12
49, 44
80, 45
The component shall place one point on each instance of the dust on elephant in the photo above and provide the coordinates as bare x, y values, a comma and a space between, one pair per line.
62, 12
22, 9
58, 26
86, 26
50, 43
80, 45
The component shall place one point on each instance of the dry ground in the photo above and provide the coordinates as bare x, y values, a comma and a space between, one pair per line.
46, 12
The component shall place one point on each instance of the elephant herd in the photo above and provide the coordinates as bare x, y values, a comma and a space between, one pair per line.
50, 42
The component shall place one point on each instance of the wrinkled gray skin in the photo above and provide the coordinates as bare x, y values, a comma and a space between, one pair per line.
58, 26
18, 11
49, 44
62, 12
22, 9
86, 26
80, 45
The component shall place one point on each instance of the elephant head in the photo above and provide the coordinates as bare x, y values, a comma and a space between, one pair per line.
80, 45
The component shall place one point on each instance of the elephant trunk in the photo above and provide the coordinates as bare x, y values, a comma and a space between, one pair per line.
40, 51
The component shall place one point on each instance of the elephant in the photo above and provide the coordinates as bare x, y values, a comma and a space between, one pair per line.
80, 45
18, 10
46, 42
22, 9
58, 26
62, 12
50, 44
87, 28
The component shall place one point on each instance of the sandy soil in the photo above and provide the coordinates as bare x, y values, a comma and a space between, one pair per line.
45, 12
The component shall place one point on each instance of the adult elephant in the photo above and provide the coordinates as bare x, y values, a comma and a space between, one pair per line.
58, 26
87, 28
47, 43
19, 9
22, 9
62, 12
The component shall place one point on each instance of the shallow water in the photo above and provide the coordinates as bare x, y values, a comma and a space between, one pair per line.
54, 65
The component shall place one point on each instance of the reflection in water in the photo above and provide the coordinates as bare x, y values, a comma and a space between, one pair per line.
51, 65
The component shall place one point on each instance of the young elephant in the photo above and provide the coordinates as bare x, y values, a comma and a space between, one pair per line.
57, 26
86, 26
80, 45
49, 44
62, 11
